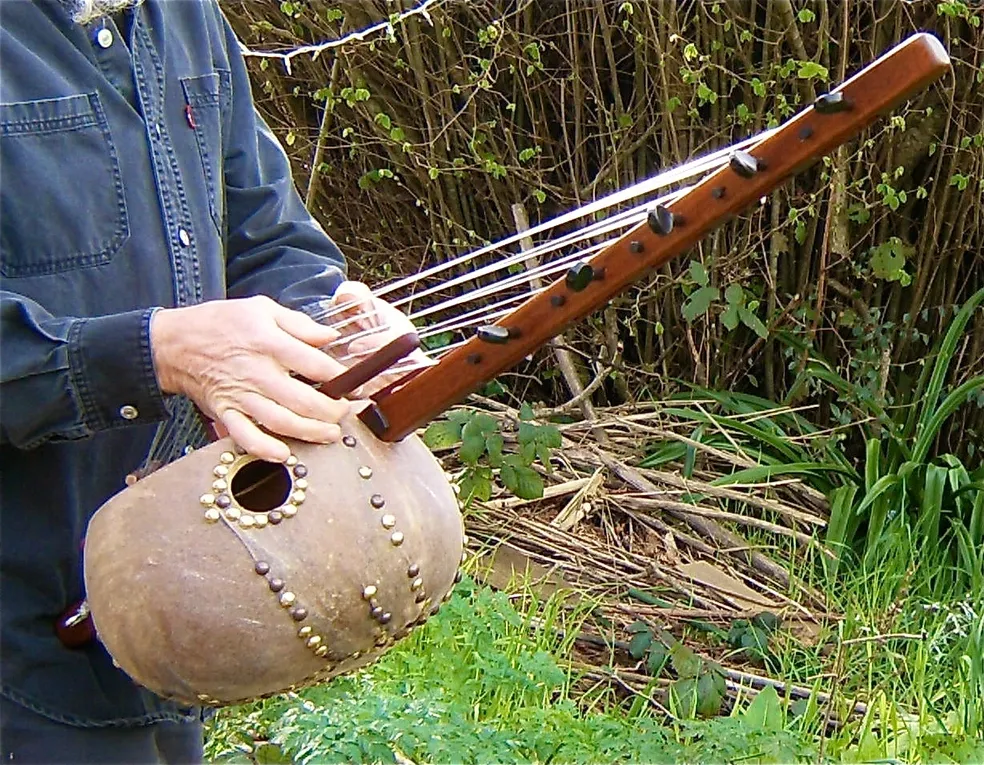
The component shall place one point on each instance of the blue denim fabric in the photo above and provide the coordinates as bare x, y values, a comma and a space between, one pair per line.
133, 176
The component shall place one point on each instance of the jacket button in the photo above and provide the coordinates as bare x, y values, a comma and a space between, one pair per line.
104, 37
128, 412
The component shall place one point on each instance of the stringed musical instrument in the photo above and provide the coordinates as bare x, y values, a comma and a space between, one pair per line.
221, 578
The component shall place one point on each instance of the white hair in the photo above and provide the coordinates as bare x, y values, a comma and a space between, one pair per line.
85, 11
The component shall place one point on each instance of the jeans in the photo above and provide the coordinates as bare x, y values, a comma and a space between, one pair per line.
27, 737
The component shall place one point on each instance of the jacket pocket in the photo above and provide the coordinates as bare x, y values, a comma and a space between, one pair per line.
207, 101
61, 199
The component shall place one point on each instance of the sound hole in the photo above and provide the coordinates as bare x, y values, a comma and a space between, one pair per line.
261, 486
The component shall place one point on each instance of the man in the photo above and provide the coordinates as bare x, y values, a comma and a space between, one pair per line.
139, 189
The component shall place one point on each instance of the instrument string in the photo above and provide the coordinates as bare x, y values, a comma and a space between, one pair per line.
187, 429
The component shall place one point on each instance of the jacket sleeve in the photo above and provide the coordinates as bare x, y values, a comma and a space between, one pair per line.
66, 378
274, 246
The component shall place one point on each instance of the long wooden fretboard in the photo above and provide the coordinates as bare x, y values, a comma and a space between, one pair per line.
831, 121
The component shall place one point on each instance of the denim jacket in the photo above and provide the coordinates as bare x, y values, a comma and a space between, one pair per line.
135, 173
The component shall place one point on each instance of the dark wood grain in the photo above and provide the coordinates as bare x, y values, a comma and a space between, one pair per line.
898, 75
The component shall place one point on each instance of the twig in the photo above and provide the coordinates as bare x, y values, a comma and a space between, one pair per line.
317, 49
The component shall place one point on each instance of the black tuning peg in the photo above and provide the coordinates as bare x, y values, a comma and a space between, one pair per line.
660, 220
743, 163
831, 103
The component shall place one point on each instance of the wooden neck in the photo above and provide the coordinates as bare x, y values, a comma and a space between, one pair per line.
832, 120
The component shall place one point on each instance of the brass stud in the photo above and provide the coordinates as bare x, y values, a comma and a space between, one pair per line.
464, 556
413, 570
421, 597
365, 471
299, 614
435, 609
287, 598
297, 497
247, 521
386, 618
212, 515
388, 521
221, 471
291, 461
314, 641
207, 499
416, 584
220, 484
322, 650
262, 567
356, 654
301, 483
289, 511
276, 585
261, 520
223, 501
227, 458
300, 471
376, 612
397, 538
275, 517
233, 513
349, 441
303, 632
377, 501
382, 640
369, 591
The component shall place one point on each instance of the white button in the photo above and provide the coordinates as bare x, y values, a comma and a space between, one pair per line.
183, 236
104, 37
128, 412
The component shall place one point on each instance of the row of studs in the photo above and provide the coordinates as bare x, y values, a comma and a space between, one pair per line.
298, 613
218, 502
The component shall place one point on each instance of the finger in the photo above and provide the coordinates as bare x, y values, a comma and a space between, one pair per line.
303, 399
304, 328
304, 360
357, 301
282, 421
248, 436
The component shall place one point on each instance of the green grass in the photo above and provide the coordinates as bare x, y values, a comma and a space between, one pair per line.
488, 679
480, 684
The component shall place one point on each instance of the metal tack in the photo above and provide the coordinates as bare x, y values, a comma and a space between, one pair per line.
413, 570
397, 538
365, 471
388, 521
349, 441
377, 501
369, 591
262, 567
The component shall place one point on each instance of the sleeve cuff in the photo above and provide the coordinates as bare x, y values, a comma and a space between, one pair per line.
113, 370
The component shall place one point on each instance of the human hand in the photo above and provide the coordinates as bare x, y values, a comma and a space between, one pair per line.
371, 322
234, 359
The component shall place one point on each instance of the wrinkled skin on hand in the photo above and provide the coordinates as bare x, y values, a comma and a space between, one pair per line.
236, 359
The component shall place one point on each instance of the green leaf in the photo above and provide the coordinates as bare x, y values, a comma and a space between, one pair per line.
753, 322
734, 295
525, 412
698, 273
699, 302
685, 662
767, 621
639, 644
765, 712
711, 691
522, 481
477, 484
442, 434
806, 16
493, 445
809, 70
472, 447
657, 659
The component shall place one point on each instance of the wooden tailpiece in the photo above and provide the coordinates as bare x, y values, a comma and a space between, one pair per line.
832, 120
